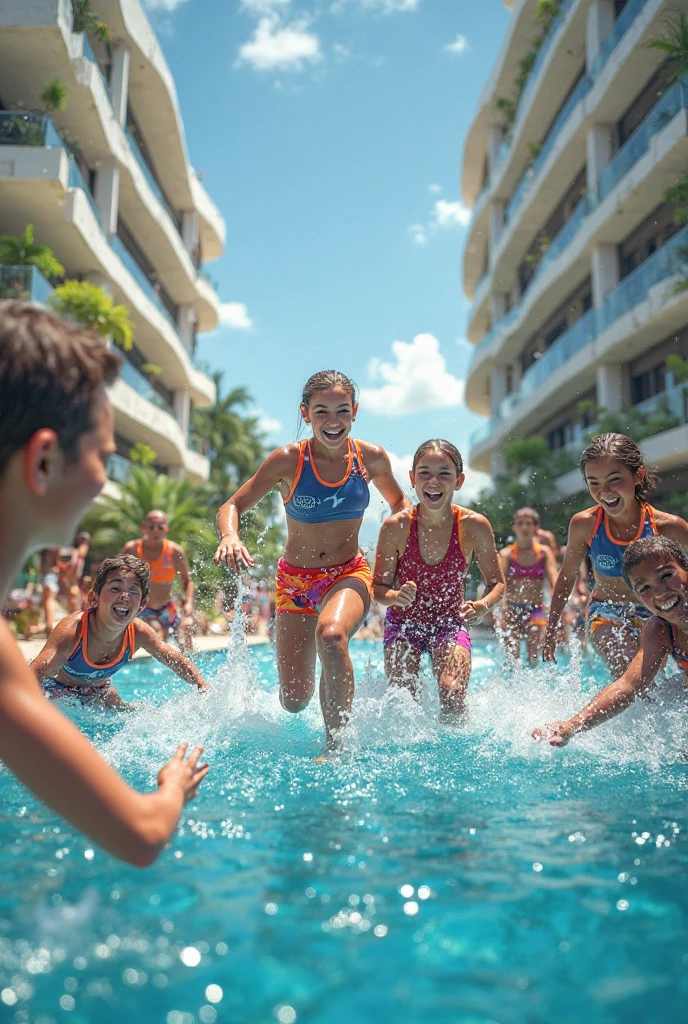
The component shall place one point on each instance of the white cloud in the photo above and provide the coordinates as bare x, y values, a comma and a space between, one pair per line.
417, 380
235, 315
163, 5
451, 214
434, 189
419, 233
268, 424
379, 6
259, 7
341, 52
459, 45
285, 48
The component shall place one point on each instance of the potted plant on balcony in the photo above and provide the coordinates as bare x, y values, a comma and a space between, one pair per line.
89, 21
54, 96
23, 251
89, 305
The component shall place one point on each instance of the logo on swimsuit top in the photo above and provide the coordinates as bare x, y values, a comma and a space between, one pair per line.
335, 499
606, 562
305, 501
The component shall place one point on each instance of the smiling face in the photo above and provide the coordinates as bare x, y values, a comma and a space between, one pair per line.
612, 485
119, 601
662, 585
435, 479
330, 414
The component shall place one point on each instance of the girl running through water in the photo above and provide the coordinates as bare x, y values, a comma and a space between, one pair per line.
423, 554
323, 582
526, 564
620, 483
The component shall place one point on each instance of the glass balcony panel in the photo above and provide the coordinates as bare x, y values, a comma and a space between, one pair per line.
638, 144
635, 287
132, 376
673, 403
540, 58
564, 237
139, 275
118, 468
77, 180
150, 177
18, 129
24, 283
482, 432
618, 31
90, 55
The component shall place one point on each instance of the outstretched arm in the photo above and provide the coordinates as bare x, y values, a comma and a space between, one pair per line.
615, 698
54, 760
279, 466
56, 649
148, 639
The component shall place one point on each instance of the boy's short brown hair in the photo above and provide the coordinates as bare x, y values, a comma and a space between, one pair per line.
50, 372
124, 563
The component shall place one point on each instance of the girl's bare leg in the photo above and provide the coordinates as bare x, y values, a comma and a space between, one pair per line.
295, 636
343, 610
511, 634
402, 665
617, 646
452, 665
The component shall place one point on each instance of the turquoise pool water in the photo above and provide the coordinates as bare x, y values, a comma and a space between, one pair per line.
440, 875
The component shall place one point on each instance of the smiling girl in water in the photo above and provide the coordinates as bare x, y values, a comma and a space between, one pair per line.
620, 483
323, 582
526, 565
656, 569
423, 555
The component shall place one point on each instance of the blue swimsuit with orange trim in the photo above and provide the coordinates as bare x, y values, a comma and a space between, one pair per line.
607, 554
311, 500
680, 656
89, 678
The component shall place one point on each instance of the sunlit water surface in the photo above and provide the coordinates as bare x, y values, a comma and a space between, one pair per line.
432, 874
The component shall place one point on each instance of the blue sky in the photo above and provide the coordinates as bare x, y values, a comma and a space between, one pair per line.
330, 134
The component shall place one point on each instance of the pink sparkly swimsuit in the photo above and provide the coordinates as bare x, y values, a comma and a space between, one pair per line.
434, 618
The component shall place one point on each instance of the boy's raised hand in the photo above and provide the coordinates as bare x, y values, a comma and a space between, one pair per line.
184, 772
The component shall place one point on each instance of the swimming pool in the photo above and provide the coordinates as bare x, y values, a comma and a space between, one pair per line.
432, 874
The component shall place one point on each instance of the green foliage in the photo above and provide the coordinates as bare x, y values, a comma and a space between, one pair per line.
507, 107
547, 11
679, 367
674, 46
678, 194
91, 306
22, 251
55, 95
534, 148
142, 454
88, 21
525, 66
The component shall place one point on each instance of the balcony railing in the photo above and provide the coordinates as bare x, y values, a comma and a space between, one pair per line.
671, 404
639, 142
77, 180
90, 55
24, 283
540, 59
564, 236
133, 376
616, 34
150, 176
27, 130
118, 468
139, 274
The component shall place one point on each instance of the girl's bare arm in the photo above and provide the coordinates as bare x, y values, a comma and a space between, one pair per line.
56, 650
615, 698
479, 538
386, 559
57, 763
576, 550
148, 639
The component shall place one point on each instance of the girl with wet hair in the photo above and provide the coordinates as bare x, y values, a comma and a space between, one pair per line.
526, 565
423, 554
620, 484
656, 571
324, 583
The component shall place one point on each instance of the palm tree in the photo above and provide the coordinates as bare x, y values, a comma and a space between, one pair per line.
87, 304
22, 251
235, 441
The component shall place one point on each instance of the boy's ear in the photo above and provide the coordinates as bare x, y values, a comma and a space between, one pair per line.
92, 598
460, 481
42, 458
144, 602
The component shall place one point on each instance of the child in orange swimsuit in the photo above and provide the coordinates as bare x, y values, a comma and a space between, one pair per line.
323, 581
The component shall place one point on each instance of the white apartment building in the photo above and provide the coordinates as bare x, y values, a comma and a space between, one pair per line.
108, 186
568, 261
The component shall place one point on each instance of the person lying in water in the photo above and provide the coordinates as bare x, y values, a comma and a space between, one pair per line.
86, 648
656, 570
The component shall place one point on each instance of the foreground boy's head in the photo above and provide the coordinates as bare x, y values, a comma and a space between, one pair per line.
656, 570
120, 590
56, 425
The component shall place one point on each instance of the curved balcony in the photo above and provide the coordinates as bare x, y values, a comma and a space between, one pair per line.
645, 165
549, 70
643, 297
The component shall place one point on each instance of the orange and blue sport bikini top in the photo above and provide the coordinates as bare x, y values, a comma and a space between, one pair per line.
78, 666
162, 569
605, 551
517, 571
314, 500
